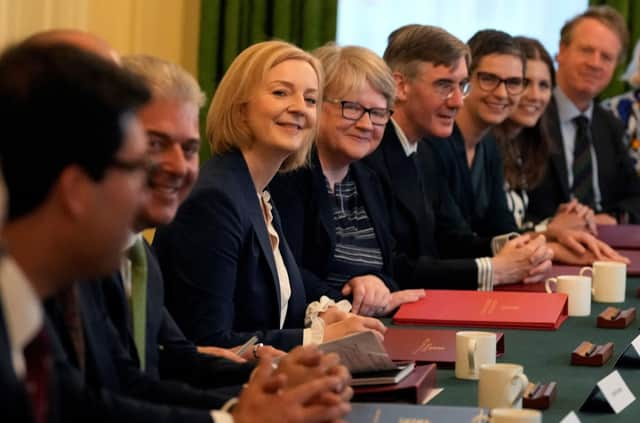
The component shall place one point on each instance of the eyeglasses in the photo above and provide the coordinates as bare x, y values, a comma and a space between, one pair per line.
446, 88
354, 111
489, 82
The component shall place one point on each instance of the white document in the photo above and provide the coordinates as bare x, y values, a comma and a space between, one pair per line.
360, 352
616, 391
570, 418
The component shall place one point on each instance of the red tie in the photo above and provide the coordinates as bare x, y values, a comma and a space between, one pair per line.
36, 355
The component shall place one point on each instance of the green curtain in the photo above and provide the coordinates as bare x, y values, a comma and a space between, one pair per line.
630, 9
229, 26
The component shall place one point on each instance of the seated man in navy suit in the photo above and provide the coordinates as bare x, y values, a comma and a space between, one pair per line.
588, 159
73, 206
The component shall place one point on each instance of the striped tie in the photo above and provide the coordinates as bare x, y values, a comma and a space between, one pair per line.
582, 168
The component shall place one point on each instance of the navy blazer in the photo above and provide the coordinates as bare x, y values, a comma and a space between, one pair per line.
618, 180
307, 221
168, 354
493, 218
217, 261
108, 363
425, 226
77, 401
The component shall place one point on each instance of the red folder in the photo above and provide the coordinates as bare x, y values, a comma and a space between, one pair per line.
412, 389
620, 236
427, 345
523, 310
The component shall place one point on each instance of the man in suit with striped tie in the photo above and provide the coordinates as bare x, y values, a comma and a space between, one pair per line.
588, 160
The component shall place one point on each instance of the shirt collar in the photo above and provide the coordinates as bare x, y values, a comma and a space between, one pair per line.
566, 109
409, 148
22, 308
133, 238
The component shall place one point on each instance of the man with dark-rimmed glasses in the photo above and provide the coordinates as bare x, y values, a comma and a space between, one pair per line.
435, 247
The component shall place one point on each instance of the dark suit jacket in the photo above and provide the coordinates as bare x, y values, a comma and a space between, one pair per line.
15, 405
77, 401
307, 221
217, 261
108, 363
619, 183
486, 219
168, 354
423, 222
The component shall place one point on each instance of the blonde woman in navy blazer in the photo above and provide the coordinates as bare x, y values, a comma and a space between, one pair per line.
228, 277
333, 211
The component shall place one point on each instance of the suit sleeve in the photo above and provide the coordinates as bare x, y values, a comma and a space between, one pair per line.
73, 401
180, 360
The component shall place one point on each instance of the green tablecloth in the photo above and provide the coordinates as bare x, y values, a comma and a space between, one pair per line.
546, 355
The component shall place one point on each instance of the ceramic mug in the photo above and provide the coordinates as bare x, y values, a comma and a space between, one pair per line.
473, 349
577, 288
609, 281
501, 385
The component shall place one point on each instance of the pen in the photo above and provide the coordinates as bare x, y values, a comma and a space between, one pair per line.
244, 347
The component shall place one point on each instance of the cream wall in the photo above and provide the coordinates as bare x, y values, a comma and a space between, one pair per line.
164, 28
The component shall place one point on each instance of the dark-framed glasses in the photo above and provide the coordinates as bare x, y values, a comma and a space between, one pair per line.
352, 110
488, 81
445, 88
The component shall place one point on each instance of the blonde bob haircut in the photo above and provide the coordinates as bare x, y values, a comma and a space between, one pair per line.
226, 124
347, 69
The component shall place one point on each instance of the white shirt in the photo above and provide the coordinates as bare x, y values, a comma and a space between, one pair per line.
567, 111
125, 264
22, 312
408, 147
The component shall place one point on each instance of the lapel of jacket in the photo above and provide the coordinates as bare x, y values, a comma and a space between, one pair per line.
599, 133
402, 171
322, 199
253, 209
298, 301
556, 155
460, 161
98, 336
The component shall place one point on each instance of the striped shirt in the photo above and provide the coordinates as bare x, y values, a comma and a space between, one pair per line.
357, 249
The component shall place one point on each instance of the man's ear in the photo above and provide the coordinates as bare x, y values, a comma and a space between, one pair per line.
402, 85
74, 191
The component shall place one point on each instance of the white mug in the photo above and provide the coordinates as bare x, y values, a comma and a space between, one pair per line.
501, 385
509, 415
473, 349
609, 281
577, 288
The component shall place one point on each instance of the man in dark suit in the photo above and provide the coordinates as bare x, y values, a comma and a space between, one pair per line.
73, 206
171, 123
588, 160
430, 67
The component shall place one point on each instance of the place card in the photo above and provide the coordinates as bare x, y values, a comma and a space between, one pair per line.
611, 394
